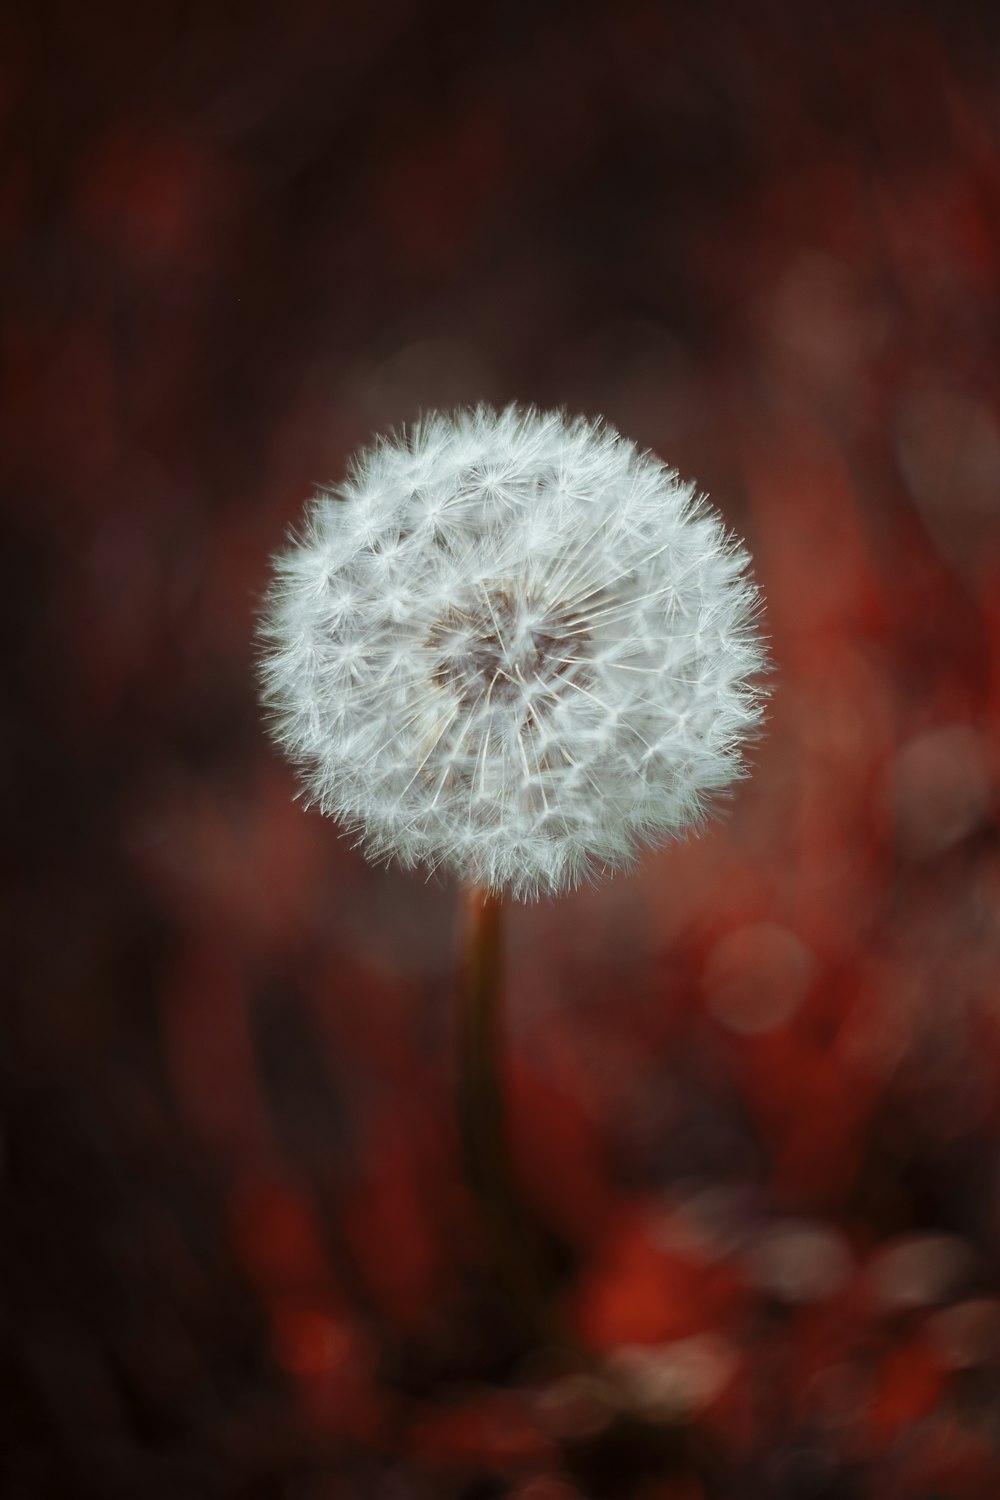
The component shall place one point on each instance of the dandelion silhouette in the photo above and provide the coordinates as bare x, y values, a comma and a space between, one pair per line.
513, 646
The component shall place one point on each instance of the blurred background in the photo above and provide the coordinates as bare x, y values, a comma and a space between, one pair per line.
755, 1086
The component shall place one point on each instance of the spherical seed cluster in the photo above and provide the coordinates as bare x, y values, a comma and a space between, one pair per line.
514, 646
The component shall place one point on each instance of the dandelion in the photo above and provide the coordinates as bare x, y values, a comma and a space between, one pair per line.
513, 646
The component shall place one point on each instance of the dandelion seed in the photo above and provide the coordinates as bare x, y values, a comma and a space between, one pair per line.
513, 646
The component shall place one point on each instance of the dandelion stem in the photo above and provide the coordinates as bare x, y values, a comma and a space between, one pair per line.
481, 1103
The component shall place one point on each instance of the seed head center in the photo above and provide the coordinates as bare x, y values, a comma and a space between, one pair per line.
504, 647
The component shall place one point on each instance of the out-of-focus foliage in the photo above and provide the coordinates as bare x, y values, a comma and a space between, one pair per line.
754, 1087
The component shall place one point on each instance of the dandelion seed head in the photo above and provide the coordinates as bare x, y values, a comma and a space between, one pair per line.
514, 646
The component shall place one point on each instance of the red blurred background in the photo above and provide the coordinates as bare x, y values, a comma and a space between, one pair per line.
754, 1086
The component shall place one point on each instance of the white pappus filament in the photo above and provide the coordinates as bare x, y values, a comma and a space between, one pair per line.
512, 645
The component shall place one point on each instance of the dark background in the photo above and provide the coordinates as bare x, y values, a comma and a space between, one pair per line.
755, 1086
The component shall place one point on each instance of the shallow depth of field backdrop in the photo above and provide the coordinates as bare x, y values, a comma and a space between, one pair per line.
755, 1086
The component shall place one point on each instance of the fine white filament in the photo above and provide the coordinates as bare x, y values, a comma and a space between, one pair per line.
513, 646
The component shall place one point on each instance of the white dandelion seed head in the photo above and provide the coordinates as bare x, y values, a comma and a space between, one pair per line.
513, 646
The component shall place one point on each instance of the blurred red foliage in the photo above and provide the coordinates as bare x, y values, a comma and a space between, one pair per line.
754, 1088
